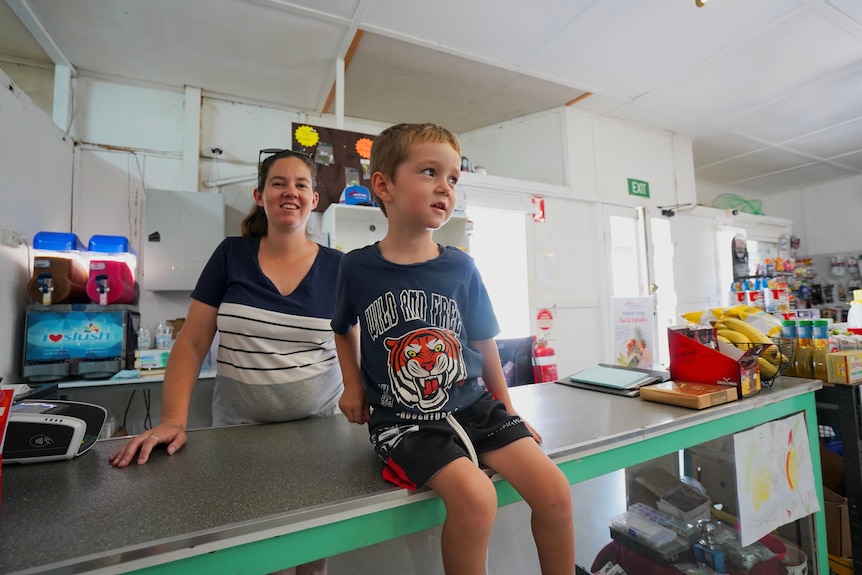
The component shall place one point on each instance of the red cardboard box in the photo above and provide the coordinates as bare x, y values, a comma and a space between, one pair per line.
691, 360
6, 396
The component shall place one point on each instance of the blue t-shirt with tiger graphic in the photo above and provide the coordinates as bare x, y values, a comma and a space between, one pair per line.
416, 321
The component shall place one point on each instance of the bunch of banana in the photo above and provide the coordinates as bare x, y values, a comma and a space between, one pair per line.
767, 368
741, 311
765, 322
742, 334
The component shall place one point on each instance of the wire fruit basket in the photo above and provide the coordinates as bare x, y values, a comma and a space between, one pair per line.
787, 350
775, 360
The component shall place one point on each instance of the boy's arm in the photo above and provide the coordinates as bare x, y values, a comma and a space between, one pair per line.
352, 402
495, 381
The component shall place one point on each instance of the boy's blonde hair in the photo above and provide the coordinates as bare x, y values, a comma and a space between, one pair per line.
391, 147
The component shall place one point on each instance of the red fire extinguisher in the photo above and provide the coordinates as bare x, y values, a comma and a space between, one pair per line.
544, 362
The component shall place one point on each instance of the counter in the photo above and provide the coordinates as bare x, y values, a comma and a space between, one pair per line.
257, 498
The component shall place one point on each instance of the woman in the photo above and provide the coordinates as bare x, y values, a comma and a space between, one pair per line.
270, 294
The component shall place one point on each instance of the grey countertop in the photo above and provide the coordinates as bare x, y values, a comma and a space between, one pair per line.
82, 514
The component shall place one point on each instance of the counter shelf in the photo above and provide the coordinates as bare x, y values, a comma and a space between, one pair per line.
144, 378
253, 499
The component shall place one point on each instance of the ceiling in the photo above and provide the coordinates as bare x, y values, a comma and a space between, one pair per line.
770, 91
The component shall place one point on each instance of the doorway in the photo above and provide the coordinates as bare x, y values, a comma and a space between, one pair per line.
640, 254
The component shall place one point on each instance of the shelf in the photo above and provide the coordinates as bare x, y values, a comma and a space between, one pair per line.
350, 227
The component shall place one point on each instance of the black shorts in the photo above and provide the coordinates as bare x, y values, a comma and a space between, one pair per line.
413, 452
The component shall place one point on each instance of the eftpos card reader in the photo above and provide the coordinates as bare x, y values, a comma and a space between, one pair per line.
51, 430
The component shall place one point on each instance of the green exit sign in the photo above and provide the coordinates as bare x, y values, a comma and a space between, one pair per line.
638, 188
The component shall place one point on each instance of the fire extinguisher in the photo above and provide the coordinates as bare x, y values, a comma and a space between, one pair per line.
544, 362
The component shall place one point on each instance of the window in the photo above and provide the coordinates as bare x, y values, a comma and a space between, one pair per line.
499, 246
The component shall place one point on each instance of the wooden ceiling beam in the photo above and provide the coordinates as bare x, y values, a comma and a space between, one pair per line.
583, 96
347, 58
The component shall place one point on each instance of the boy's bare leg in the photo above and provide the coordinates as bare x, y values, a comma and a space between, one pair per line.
471, 505
546, 490
314, 568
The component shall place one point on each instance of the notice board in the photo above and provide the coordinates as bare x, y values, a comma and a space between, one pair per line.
342, 159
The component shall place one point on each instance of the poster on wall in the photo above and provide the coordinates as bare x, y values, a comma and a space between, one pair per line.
343, 163
740, 257
634, 331
774, 476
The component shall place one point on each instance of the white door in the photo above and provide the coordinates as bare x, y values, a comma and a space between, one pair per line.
640, 263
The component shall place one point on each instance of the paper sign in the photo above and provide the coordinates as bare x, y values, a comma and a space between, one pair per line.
544, 319
634, 332
774, 476
538, 209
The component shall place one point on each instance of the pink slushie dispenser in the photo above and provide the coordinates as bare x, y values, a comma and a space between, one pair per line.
112, 271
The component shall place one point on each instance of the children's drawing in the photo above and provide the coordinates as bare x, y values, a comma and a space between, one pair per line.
774, 476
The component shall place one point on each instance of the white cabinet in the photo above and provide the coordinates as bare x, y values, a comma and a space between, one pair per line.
349, 227
182, 230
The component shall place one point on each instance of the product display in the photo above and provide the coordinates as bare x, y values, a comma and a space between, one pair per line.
747, 327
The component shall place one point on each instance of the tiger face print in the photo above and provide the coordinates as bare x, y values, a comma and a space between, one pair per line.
423, 366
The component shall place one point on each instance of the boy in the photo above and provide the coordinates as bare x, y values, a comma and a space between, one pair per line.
425, 373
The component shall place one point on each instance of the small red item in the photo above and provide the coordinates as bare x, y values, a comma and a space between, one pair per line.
544, 363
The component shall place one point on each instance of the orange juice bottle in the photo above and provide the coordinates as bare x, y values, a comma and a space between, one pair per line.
820, 345
803, 365
788, 331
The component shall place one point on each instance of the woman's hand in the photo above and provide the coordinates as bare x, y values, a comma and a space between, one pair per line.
172, 435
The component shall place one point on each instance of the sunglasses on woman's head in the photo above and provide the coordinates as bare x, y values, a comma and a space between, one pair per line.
268, 153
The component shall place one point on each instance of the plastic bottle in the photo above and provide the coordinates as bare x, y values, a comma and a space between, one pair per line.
803, 364
164, 335
854, 316
820, 344
788, 331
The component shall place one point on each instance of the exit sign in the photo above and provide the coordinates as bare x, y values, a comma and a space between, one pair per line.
638, 188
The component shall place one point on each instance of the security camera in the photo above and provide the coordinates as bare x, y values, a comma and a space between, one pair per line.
735, 212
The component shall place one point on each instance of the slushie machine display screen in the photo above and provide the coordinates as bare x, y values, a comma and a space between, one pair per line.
63, 335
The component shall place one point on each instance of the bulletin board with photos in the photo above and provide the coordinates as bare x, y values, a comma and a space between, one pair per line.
342, 158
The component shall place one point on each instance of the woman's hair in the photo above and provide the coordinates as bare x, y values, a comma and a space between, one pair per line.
255, 223
392, 145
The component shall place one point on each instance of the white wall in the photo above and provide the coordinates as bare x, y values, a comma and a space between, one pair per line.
36, 168
130, 139
623, 151
36, 82
826, 217
594, 157
531, 148
829, 216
